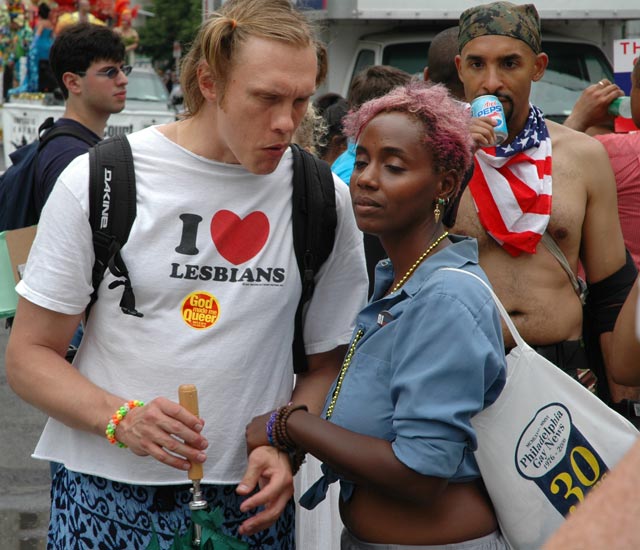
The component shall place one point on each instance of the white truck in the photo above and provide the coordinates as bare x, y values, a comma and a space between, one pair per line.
578, 35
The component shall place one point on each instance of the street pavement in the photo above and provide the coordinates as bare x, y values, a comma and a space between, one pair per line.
24, 481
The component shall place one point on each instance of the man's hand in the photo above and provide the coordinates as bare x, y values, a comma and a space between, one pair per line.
592, 106
166, 431
270, 470
482, 132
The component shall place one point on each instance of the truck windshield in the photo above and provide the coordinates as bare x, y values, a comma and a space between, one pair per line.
146, 86
410, 56
572, 67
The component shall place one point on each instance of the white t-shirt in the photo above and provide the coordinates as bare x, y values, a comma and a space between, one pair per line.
211, 261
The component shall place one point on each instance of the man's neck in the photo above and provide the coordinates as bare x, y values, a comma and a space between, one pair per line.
516, 127
95, 123
195, 134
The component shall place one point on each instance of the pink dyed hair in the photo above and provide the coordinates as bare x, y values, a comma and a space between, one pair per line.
445, 121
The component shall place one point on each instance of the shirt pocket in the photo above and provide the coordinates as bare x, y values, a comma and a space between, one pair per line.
364, 404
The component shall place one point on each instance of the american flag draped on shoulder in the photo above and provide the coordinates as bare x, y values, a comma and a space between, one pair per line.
511, 187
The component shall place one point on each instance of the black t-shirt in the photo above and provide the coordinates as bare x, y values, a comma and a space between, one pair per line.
55, 156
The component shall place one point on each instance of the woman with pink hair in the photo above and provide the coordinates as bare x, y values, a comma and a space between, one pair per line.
427, 352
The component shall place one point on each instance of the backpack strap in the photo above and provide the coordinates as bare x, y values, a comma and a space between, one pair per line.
579, 286
112, 209
47, 132
314, 221
48, 123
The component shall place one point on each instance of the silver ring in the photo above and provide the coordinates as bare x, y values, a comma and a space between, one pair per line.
602, 83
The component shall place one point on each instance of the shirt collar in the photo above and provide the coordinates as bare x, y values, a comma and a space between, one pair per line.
461, 251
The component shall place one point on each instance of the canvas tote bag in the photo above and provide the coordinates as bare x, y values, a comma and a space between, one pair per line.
543, 444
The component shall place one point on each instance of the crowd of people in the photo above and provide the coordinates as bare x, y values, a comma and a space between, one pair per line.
390, 385
27, 30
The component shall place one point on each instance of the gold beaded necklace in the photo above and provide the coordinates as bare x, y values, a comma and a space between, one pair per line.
360, 333
418, 262
343, 371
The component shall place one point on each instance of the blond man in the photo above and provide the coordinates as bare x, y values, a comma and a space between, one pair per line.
211, 259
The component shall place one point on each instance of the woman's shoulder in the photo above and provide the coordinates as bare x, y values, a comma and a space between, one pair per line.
462, 281
460, 289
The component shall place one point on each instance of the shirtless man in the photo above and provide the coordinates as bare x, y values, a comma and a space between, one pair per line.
500, 55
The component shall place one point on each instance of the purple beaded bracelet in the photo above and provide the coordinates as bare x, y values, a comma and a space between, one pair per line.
270, 423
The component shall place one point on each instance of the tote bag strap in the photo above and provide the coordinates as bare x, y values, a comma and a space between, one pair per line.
503, 312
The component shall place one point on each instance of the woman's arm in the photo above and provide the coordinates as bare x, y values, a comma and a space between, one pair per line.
38, 372
625, 346
362, 459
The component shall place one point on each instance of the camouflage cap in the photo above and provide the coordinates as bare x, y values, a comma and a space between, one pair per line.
504, 19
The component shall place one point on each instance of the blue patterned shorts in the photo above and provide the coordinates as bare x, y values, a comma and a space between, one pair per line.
89, 512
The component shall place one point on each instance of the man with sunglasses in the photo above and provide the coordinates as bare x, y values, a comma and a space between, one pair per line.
87, 61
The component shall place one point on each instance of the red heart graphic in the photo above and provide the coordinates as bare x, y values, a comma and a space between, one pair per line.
239, 240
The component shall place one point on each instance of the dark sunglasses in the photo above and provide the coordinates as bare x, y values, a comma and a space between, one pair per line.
111, 72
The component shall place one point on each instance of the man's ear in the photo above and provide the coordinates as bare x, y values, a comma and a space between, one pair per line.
206, 81
458, 60
542, 60
72, 82
425, 74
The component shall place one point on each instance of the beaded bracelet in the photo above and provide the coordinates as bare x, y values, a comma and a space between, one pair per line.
277, 428
281, 426
274, 441
117, 418
280, 438
270, 423
297, 459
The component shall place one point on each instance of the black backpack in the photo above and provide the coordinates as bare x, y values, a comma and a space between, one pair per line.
112, 207
17, 208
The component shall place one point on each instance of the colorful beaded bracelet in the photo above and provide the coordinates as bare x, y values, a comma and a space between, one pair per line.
117, 418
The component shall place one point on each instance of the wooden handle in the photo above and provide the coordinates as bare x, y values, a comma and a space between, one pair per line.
188, 396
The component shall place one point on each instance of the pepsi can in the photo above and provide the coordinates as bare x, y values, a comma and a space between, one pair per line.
490, 106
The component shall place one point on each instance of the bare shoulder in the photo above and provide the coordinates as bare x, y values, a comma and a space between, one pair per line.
565, 140
579, 161
169, 130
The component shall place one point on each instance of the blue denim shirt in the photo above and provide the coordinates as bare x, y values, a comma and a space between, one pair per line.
431, 357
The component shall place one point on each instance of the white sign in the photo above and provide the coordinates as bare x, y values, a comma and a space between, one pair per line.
20, 123
625, 52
